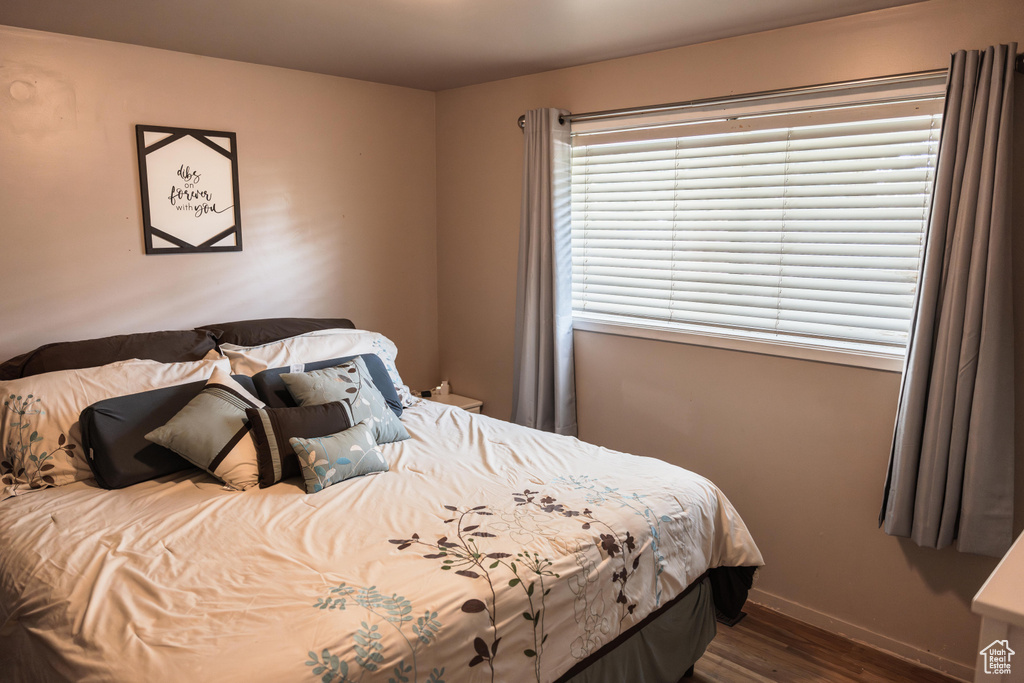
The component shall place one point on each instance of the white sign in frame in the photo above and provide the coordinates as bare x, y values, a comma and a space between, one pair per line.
189, 186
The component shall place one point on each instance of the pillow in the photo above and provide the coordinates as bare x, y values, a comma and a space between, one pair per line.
272, 390
39, 425
316, 346
255, 332
328, 460
351, 385
272, 427
212, 432
114, 434
166, 347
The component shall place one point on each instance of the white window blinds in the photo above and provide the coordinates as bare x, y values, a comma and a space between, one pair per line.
806, 223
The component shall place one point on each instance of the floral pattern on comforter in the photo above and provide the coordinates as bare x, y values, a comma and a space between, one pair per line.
488, 552
471, 553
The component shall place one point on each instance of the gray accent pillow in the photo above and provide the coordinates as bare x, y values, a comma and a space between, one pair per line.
273, 391
327, 460
213, 433
351, 385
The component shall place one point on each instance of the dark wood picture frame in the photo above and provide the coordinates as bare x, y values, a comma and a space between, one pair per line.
185, 176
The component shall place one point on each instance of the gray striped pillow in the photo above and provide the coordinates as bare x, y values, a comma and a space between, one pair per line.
212, 432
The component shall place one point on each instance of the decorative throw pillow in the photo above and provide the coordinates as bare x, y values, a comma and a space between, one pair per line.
114, 434
272, 427
351, 385
327, 460
272, 390
316, 346
39, 416
212, 432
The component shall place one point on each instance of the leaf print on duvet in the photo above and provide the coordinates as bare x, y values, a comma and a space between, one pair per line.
368, 640
620, 548
463, 556
598, 494
466, 550
24, 460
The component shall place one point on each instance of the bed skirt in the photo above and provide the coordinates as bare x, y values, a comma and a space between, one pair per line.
669, 641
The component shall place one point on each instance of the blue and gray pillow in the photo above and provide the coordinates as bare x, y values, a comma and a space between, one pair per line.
328, 460
351, 385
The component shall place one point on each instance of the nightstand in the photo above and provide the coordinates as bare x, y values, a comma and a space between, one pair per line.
470, 405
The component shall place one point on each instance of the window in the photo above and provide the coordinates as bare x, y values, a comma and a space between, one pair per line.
788, 221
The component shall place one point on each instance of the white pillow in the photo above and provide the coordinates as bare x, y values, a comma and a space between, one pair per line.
39, 429
316, 346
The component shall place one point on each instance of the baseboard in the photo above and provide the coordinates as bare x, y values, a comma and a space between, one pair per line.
862, 635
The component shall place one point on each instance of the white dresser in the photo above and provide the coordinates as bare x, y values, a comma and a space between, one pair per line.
1000, 602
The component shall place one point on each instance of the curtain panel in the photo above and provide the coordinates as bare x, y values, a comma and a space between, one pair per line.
544, 385
951, 467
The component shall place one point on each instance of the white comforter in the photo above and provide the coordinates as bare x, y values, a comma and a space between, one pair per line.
488, 552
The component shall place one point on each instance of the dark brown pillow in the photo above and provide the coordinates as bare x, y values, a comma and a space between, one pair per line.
272, 427
256, 332
167, 347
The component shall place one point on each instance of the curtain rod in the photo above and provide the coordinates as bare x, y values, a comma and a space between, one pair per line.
736, 99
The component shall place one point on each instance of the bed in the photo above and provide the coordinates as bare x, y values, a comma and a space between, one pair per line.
485, 552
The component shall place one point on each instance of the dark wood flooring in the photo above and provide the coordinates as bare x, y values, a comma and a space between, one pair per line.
768, 646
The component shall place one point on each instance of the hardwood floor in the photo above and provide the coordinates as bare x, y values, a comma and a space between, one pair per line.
767, 646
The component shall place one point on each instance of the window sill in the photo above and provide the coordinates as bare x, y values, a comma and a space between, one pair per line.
770, 347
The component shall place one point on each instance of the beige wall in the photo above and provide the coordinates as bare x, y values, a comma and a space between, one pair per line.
337, 197
799, 447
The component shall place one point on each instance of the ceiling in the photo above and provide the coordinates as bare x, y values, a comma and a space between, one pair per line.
427, 44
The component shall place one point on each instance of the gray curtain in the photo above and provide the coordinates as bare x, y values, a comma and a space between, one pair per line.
544, 386
951, 467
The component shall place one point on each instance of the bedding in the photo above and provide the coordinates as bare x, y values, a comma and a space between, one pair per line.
486, 552
316, 346
39, 423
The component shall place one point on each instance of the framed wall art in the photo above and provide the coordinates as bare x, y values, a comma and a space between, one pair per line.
189, 186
